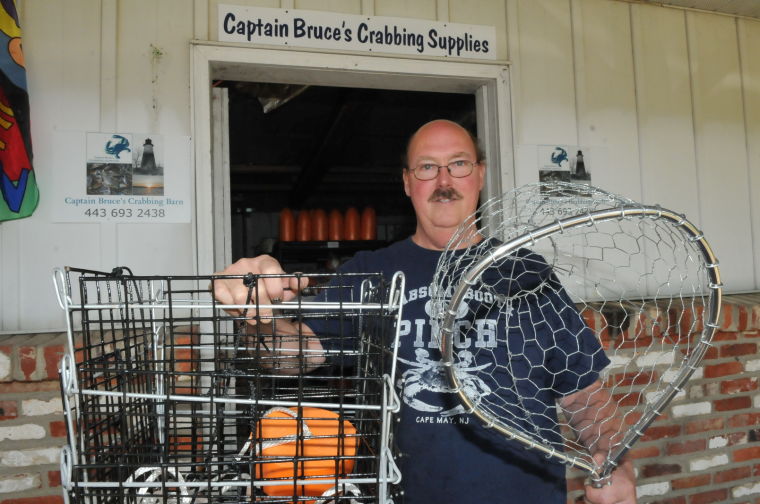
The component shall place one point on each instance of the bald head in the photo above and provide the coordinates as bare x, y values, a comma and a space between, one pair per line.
436, 125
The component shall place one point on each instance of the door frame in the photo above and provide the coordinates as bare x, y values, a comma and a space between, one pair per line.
489, 82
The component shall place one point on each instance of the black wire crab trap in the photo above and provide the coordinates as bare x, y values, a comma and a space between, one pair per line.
172, 397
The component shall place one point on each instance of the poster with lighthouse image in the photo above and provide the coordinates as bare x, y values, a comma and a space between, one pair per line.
565, 163
121, 176
124, 164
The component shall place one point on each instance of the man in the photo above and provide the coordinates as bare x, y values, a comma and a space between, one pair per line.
447, 456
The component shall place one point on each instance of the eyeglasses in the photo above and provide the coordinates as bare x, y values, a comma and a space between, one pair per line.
457, 169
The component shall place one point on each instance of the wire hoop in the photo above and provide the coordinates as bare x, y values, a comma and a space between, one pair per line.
463, 268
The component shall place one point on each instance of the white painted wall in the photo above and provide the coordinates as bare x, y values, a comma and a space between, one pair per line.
672, 95
673, 98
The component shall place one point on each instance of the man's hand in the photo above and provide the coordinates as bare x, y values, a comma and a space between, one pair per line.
266, 292
284, 343
592, 414
621, 488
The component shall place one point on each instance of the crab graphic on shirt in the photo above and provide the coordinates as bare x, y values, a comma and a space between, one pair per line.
425, 374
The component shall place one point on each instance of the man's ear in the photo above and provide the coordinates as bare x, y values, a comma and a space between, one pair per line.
482, 172
405, 175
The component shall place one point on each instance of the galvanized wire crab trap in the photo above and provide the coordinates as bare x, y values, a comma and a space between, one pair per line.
170, 398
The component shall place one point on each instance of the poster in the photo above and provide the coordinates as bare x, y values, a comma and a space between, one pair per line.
564, 163
121, 177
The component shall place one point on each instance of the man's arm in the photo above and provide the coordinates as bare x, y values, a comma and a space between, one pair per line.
285, 347
591, 413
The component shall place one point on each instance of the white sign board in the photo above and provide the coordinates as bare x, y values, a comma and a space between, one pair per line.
337, 31
121, 177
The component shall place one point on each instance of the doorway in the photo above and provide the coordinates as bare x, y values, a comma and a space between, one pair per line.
323, 149
341, 95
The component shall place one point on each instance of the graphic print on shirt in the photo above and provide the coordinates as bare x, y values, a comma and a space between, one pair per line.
424, 380
429, 375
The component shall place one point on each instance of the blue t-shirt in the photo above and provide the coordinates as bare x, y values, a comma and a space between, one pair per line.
446, 454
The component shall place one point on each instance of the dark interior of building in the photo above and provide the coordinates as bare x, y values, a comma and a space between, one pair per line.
312, 147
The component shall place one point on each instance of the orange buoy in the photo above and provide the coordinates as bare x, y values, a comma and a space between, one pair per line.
287, 225
319, 225
335, 225
351, 224
324, 437
368, 230
303, 226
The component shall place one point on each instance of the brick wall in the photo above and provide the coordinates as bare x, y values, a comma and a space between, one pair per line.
32, 430
706, 448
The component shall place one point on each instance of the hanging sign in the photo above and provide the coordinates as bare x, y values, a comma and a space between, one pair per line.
337, 31
121, 177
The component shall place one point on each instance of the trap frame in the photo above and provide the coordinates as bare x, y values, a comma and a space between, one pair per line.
170, 398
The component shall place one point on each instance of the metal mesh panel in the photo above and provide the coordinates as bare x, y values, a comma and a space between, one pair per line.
169, 398
571, 276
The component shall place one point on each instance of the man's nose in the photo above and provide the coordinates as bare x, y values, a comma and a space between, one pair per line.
444, 177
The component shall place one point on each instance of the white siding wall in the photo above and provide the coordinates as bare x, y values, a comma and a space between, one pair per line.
749, 41
668, 167
672, 96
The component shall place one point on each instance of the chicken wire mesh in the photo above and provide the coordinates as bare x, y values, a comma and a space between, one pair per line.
573, 277
170, 398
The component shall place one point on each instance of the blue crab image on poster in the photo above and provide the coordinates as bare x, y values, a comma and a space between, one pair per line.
560, 156
116, 145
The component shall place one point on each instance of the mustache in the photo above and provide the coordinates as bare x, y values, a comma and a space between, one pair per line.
445, 193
